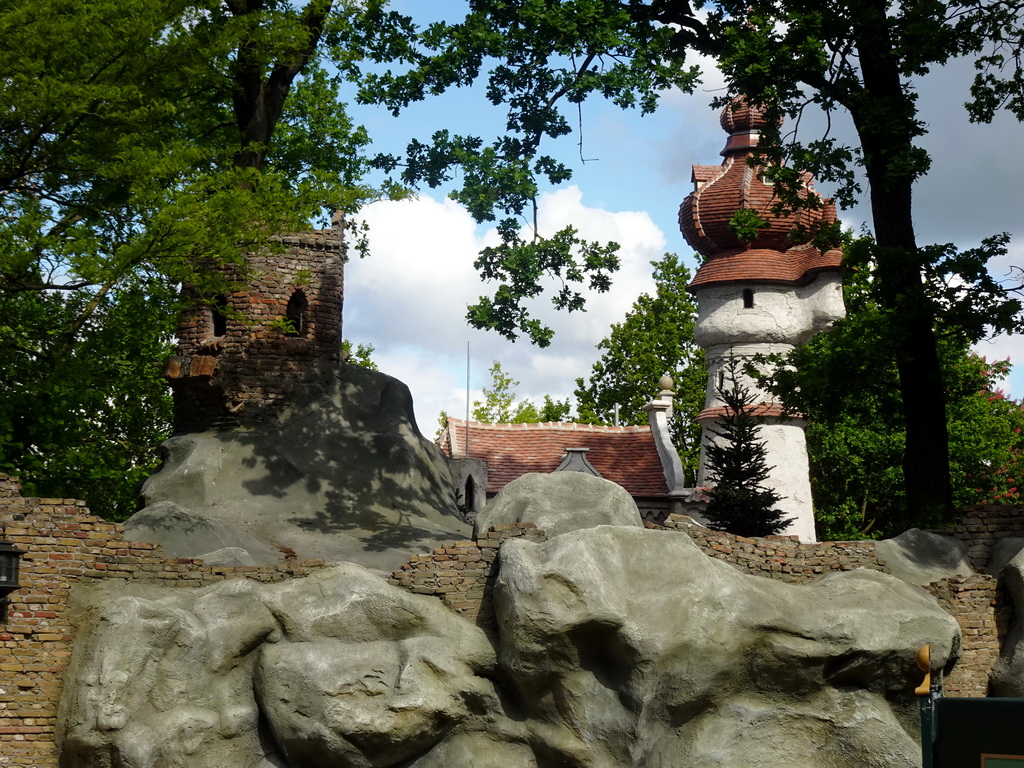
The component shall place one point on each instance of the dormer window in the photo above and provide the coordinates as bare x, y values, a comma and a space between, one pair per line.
295, 313
748, 298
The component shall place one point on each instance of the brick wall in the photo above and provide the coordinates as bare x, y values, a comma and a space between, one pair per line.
462, 574
977, 604
253, 368
982, 526
780, 557
66, 546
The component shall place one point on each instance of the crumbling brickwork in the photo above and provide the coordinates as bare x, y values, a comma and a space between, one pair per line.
245, 354
982, 526
462, 574
66, 546
783, 558
974, 601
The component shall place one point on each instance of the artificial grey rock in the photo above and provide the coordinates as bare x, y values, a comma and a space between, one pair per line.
164, 678
561, 502
338, 669
228, 556
921, 557
616, 647
183, 532
1007, 676
347, 477
1003, 551
632, 648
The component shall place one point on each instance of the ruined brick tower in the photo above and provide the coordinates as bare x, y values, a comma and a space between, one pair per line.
274, 339
764, 296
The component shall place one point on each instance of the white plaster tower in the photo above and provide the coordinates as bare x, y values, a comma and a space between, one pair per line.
761, 297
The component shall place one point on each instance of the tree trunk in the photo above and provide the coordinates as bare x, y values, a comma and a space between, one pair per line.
886, 122
259, 95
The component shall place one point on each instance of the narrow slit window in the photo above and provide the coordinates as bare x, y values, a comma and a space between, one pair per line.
469, 500
295, 312
748, 298
219, 316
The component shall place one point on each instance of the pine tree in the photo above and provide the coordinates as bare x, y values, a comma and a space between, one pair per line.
738, 467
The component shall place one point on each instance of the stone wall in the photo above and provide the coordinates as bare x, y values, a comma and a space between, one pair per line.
66, 546
249, 368
975, 602
780, 557
982, 526
462, 574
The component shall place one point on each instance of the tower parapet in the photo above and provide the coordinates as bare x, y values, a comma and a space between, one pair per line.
761, 296
274, 338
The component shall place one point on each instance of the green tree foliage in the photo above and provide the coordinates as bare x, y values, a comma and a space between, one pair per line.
499, 405
129, 160
655, 338
846, 381
541, 60
86, 423
141, 140
738, 468
863, 58
361, 354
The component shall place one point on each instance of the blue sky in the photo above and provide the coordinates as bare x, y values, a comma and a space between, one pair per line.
409, 298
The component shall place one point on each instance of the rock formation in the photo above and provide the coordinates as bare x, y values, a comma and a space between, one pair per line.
346, 477
1007, 678
616, 646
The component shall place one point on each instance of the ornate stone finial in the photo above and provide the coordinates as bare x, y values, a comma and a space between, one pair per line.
666, 383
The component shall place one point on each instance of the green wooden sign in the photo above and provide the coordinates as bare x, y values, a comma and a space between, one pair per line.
1002, 761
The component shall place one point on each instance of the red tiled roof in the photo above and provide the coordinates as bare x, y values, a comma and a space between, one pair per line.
761, 410
797, 266
625, 455
705, 215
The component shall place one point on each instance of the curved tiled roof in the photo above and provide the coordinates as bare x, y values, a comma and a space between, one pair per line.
625, 455
735, 185
797, 266
761, 411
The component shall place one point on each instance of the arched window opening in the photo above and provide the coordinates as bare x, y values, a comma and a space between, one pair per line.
748, 298
296, 314
469, 500
219, 316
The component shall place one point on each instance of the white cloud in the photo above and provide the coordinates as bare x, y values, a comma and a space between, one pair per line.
409, 299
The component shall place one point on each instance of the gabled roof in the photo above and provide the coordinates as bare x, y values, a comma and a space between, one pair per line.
625, 455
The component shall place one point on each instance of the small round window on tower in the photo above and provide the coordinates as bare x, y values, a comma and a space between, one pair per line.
295, 313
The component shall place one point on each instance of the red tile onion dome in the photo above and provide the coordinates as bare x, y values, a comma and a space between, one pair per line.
722, 190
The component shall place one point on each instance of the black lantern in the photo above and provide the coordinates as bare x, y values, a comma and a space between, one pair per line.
9, 562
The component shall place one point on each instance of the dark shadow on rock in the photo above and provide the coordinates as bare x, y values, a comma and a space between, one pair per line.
346, 476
